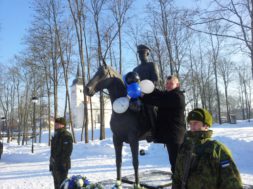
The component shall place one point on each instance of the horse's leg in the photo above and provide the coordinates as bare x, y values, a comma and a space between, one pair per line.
134, 145
118, 152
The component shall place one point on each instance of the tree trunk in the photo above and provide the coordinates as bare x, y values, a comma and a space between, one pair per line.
64, 68
79, 20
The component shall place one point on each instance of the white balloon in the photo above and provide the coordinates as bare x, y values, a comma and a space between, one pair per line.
120, 105
147, 86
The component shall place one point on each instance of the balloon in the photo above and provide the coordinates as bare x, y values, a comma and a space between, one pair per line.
134, 90
131, 77
120, 105
147, 86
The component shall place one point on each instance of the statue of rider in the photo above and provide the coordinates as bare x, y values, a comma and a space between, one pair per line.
148, 70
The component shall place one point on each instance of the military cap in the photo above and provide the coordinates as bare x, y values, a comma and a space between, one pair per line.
202, 115
142, 47
60, 120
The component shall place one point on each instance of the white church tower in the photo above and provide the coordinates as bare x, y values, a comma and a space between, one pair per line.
77, 106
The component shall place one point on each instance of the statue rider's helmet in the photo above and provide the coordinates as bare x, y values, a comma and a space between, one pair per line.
143, 52
132, 77
141, 48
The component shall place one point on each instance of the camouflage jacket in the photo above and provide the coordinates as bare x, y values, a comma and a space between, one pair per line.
61, 149
211, 164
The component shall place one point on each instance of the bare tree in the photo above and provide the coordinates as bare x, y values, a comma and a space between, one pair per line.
64, 64
5, 104
41, 45
193, 89
119, 9
215, 51
236, 15
225, 70
78, 15
45, 41
51, 56
134, 33
168, 19
202, 75
96, 8
159, 50
245, 85
25, 112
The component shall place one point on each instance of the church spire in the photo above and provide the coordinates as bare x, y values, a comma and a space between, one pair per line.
78, 80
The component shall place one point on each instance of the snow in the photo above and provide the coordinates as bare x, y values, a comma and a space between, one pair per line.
21, 169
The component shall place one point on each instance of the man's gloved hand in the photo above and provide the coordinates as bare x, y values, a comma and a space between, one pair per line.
135, 105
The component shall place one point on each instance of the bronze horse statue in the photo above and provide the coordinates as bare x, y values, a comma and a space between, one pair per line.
125, 126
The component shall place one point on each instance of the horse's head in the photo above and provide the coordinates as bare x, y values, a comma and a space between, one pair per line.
100, 80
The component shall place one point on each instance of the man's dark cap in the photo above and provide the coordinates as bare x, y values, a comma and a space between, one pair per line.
60, 120
142, 47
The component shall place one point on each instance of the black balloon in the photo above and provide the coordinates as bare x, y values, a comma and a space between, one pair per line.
132, 77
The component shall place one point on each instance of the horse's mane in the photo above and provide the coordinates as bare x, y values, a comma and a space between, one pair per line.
114, 73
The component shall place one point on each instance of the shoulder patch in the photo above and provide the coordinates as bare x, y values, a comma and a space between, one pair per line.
225, 163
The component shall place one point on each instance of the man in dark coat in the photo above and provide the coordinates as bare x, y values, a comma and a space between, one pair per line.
170, 124
147, 70
61, 149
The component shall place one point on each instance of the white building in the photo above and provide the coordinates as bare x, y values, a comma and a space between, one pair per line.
77, 106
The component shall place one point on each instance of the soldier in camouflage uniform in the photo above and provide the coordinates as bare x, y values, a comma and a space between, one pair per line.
203, 163
61, 149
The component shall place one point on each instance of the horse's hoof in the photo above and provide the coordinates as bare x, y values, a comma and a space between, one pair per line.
138, 186
117, 185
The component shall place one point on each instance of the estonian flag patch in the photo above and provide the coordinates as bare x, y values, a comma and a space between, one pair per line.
225, 163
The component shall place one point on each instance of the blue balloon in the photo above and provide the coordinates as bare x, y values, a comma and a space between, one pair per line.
134, 90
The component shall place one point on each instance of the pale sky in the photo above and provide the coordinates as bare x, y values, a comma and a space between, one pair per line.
15, 16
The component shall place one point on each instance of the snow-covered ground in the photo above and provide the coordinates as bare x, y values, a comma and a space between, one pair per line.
21, 169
